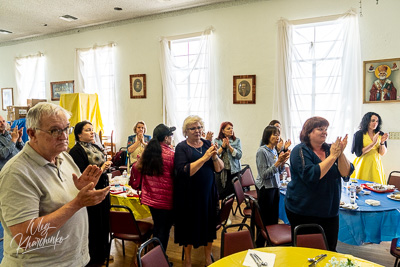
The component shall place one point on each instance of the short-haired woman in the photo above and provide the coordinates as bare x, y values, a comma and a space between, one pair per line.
316, 168
270, 165
137, 142
196, 197
369, 145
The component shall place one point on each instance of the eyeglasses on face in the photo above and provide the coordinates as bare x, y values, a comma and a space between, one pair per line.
196, 128
58, 132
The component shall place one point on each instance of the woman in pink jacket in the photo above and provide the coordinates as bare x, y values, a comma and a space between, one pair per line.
156, 166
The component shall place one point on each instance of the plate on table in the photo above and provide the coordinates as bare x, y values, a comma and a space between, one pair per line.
394, 196
348, 206
379, 188
373, 202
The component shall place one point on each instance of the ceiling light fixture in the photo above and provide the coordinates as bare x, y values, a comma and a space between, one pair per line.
117, 8
5, 32
68, 18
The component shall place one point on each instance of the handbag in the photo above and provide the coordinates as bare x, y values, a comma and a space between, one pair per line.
136, 178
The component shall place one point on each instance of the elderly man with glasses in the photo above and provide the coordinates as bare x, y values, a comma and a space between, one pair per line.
44, 196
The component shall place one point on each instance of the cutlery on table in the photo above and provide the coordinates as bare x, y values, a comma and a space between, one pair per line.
258, 260
317, 259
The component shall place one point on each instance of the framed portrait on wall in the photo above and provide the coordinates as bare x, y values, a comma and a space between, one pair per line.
59, 88
7, 97
381, 80
244, 89
138, 85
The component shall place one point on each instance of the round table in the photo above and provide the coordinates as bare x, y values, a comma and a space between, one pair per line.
290, 256
367, 224
140, 211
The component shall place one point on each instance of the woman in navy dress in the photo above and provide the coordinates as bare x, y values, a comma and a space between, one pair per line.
196, 197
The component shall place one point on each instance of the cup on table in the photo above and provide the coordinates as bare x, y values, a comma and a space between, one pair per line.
109, 177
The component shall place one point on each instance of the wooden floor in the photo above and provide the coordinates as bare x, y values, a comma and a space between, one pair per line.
378, 253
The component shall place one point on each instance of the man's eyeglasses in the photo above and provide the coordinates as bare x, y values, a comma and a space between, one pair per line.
196, 128
58, 132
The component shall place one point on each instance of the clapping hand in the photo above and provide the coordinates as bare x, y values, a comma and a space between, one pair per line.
90, 175
211, 151
209, 136
225, 142
88, 196
287, 144
14, 134
283, 157
384, 137
375, 138
336, 149
343, 143
279, 145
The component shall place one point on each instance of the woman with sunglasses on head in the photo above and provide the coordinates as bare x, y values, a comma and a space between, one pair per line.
86, 153
369, 145
196, 197
230, 151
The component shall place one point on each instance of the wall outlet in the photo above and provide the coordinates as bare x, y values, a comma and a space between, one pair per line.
394, 135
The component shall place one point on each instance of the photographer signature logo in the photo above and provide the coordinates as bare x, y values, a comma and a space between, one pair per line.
37, 237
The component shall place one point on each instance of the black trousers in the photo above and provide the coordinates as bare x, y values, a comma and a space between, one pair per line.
268, 200
163, 220
330, 226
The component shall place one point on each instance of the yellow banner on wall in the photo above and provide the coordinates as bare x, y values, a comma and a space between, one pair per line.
82, 107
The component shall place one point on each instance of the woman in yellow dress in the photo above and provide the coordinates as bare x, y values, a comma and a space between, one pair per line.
369, 145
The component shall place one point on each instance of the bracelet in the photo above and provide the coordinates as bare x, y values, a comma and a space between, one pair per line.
215, 159
382, 144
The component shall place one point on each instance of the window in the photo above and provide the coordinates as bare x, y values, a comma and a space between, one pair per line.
316, 71
187, 76
96, 66
190, 77
30, 77
319, 67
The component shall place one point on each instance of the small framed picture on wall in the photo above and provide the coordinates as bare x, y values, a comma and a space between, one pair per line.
59, 88
138, 85
244, 89
7, 98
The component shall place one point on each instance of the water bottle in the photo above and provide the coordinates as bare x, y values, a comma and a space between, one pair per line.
284, 176
352, 190
352, 199
125, 174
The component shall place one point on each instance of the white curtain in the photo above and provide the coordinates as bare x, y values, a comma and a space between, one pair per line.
95, 74
30, 78
202, 97
335, 64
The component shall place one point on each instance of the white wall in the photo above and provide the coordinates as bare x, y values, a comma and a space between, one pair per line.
245, 43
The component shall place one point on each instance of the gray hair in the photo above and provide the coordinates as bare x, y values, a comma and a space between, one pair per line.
190, 120
35, 114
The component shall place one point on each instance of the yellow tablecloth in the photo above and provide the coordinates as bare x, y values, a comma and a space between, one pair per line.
290, 257
140, 211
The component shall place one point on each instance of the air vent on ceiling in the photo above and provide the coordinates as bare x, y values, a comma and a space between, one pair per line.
5, 32
68, 18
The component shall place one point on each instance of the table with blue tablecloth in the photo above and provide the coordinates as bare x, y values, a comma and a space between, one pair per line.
367, 224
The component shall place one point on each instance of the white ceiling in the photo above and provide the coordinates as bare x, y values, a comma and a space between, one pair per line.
27, 18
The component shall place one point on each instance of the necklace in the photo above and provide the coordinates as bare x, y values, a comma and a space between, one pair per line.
200, 151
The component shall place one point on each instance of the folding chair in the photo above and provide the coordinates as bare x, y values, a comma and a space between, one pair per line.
124, 226
247, 180
310, 239
394, 179
154, 257
232, 242
240, 198
395, 252
275, 234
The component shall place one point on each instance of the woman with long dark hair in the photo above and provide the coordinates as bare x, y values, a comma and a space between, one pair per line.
157, 166
270, 164
86, 153
230, 151
369, 145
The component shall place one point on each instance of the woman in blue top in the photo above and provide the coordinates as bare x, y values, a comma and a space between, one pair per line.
313, 195
230, 151
269, 166
137, 142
